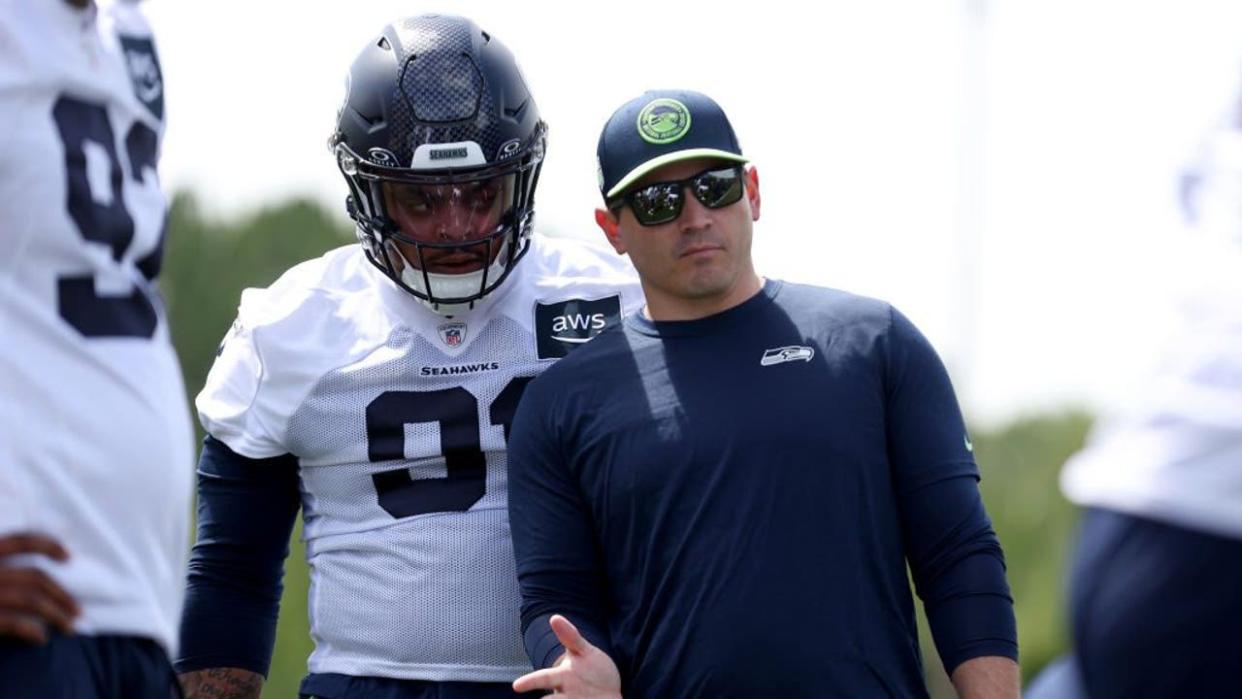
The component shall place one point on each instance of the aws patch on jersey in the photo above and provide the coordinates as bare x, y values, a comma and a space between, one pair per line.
559, 327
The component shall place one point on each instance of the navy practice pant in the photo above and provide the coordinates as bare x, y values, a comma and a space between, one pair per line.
86, 667
1157, 609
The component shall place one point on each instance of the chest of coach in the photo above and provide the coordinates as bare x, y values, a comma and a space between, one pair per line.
743, 474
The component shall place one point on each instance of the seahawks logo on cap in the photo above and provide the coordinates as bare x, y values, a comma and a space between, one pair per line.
663, 121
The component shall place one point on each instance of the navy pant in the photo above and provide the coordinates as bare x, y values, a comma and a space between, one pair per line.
332, 686
86, 667
1157, 609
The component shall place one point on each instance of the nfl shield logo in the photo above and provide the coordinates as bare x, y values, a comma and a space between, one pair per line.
453, 334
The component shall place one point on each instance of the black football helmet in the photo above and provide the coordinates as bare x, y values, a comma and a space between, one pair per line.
437, 113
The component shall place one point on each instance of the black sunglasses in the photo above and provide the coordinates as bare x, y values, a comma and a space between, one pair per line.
661, 202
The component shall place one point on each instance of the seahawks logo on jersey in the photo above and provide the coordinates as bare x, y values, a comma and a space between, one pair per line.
144, 71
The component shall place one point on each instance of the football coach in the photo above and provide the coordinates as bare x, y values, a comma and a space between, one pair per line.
720, 496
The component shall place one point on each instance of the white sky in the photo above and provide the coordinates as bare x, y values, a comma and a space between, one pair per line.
1010, 189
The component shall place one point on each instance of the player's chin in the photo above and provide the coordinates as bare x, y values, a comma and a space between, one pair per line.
456, 267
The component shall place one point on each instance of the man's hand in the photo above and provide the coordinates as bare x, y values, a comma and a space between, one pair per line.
30, 601
583, 672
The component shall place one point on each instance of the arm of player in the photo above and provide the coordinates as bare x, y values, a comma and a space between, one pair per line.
30, 601
988, 677
582, 672
222, 683
246, 511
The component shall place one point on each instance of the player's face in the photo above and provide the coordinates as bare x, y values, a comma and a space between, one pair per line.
449, 217
701, 256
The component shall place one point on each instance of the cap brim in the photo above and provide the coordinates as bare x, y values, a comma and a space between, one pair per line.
668, 158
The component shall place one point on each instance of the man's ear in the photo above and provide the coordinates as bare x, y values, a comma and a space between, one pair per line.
752, 191
610, 225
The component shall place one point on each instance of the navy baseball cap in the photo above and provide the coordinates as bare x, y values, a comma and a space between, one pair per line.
657, 128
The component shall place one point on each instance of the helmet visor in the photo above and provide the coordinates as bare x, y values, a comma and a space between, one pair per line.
450, 228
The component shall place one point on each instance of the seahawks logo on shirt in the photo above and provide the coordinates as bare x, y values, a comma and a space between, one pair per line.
559, 327
144, 71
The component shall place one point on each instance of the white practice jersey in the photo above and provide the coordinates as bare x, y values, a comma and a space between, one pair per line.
96, 445
1175, 453
398, 418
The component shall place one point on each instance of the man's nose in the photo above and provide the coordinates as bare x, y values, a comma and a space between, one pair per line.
455, 221
694, 216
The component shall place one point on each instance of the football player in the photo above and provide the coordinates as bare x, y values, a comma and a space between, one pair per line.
1158, 566
95, 440
374, 387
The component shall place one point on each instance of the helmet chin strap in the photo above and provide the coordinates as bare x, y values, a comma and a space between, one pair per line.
452, 285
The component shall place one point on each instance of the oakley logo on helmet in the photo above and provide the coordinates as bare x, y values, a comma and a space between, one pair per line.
508, 148
382, 156
663, 121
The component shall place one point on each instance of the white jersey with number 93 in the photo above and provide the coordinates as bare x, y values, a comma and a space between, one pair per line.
95, 441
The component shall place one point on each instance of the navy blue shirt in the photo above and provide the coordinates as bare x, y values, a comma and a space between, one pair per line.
727, 505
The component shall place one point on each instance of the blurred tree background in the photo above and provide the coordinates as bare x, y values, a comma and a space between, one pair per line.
208, 263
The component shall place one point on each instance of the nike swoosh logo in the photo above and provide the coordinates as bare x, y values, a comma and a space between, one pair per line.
516, 110
572, 340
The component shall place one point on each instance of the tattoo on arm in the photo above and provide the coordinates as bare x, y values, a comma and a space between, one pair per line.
222, 683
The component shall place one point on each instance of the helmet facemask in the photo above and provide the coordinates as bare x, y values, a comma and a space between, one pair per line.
449, 239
